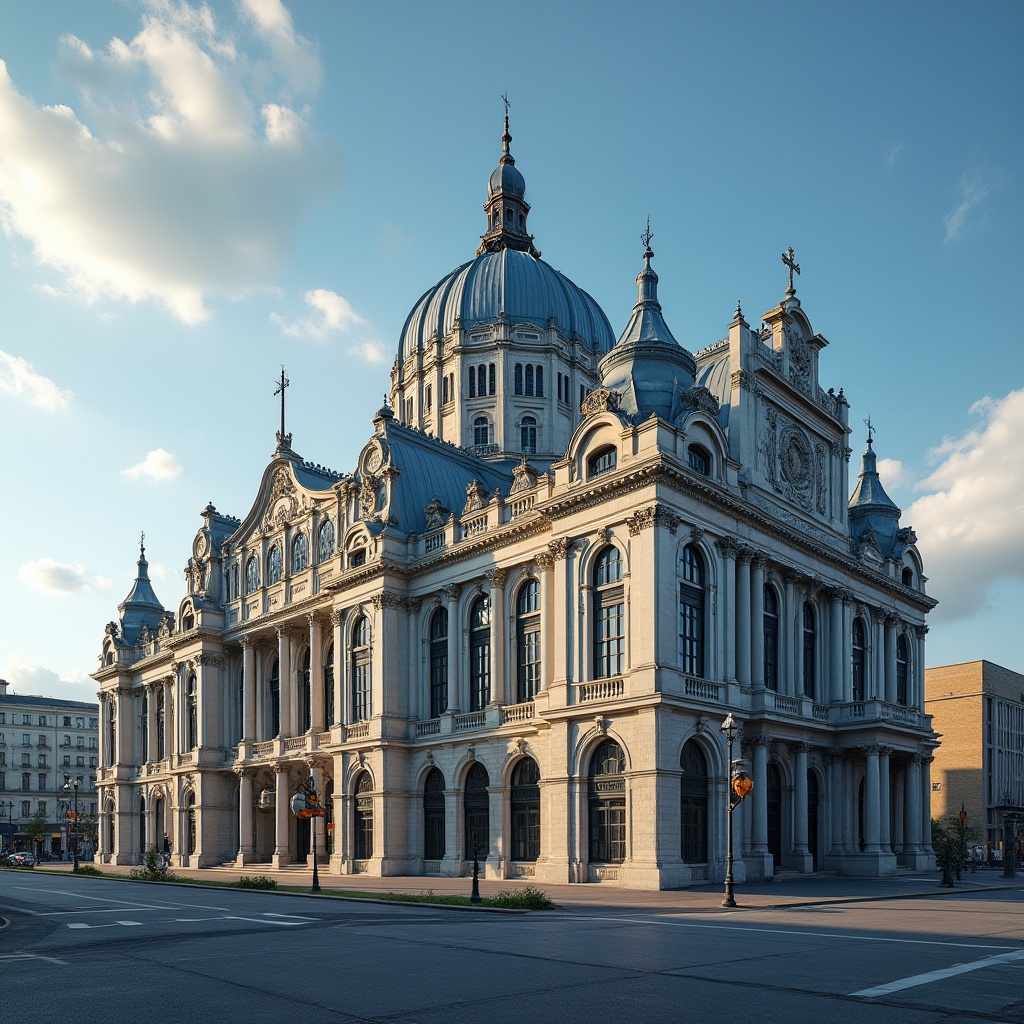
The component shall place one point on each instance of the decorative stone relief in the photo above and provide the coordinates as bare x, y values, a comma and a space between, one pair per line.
436, 515
476, 497
768, 444
600, 400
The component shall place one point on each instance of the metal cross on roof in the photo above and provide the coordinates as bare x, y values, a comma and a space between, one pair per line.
871, 429
789, 258
504, 98
279, 390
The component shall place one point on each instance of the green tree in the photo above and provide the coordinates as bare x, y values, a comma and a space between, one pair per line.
36, 830
951, 840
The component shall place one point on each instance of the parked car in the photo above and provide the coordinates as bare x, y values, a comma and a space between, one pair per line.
24, 860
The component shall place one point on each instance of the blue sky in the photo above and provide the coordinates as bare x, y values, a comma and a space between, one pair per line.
193, 195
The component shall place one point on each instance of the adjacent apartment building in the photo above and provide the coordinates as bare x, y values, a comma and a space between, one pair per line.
42, 740
978, 709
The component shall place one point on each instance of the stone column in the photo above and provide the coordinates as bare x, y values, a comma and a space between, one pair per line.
727, 549
284, 669
743, 616
248, 689
890, 658
496, 581
451, 602
877, 685
884, 809
871, 800
759, 831
916, 697
757, 567
153, 721
245, 812
339, 669
800, 799
836, 646
169, 716
836, 800
316, 675
912, 806
281, 822
791, 664
547, 600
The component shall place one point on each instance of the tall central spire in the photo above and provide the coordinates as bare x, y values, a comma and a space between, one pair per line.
506, 206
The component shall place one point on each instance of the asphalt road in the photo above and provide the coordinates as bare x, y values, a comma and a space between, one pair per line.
86, 949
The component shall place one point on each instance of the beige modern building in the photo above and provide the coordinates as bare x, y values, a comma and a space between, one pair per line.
978, 710
517, 624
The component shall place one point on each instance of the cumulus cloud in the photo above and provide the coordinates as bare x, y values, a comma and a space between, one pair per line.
19, 379
974, 188
60, 577
893, 474
969, 524
329, 313
28, 679
158, 465
370, 351
185, 168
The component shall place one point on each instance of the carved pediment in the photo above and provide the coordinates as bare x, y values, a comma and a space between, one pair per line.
436, 515
524, 478
600, 400
476, 497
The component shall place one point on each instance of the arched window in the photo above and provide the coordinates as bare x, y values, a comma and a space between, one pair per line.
693, 812
529, 379
858, 659
528, 431
908, 576
361, 670
609, 617
540, 381
525, 807
691, 611
518, 378
233, 585
274, 699
325, 544
300, 552
439, 663
810, 655
902, 671
144, 720
252, 575
445, 397
490, 379
699, 460
190, 824
602, 461
481, 379
607, 804
305, 695
481, 430
433, 815
528, 640
193, 711
329, 686
472, 382
363, 810
274, 566
480, 654
771, 638
430, 398
161, 740
477, 812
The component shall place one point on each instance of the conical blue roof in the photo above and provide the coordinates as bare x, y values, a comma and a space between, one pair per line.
141, 607
874, 517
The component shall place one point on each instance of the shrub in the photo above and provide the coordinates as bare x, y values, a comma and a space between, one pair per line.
527, 898
88, 869
152, 868
255, 882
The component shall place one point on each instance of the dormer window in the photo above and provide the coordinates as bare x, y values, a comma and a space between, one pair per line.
700, 461
252, 575
908, 576
602, 461
357, 558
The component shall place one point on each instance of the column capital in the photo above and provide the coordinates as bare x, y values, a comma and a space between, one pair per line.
545, 561
496, 578
744, 554
760, 561
892, 618
802, 746
336, 617
284, 632
727, 547
884, 751
834, 755
871, 750
451, 591
921, 631
413, 604
247, 642
388, 599
560, 548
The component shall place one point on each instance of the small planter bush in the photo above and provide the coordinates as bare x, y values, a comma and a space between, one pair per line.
255, 882
527, 898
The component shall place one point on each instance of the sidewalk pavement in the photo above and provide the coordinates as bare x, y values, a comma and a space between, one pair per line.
784, 892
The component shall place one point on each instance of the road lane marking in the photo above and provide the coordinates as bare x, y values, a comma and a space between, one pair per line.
947, 972
297, 917
10, 958
115, 924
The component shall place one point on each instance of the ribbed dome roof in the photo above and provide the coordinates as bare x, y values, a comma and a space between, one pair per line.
506, 177
515, 283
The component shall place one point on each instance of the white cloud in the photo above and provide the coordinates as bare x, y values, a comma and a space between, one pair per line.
157, 465
18, 378
369, 351
185, 168
974, 188
970, 524
60, 577
893, 474
330, 313
28, 679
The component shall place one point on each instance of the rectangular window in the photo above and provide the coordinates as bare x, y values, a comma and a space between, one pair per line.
67, 721
3, 717
26, 808
67, 759
92, 723
26, 781
609, 638
42, 782
81, 741
41, 807
26, 758
80, 761
80, 723
691, 632
42, 720
529, 662
92, 742
42, 760
66, 742
42, 741
26, 719
439, 680
26, 740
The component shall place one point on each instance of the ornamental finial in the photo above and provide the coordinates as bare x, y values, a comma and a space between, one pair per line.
871, 430
142, 545
789, 258
646, 238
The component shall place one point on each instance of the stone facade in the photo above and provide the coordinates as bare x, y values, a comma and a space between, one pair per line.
524, 642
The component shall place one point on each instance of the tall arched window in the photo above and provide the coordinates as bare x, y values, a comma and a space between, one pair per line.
528, 640
361, 670
528, 431
771, 637
193, 711
190, 824
490, 379
858, 659
481, 430
518, 378
161, 740
145, 727
529, 379
329, 686
480, 653
481, 379
234, 582
477, 812
274, 566
325, 542
252, 575
300, 552
472, 382
363, 824
540, 381
902, 671
525, 807
810, 649
609, 617
274, 698
433, 815
607, 804
439, 663
305, 694
691, 611
693, 813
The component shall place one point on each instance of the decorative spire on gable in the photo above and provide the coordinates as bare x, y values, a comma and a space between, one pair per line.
141, 607
284, 441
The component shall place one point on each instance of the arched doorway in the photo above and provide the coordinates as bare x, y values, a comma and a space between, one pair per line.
774, 798
693, 805
190, 826
607, 804
812, 818
525, 808
433, 816
141, 859
363, 824
476, 806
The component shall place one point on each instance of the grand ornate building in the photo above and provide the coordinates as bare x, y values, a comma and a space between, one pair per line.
516, 626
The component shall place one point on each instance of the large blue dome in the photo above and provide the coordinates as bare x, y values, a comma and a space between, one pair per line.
509, 282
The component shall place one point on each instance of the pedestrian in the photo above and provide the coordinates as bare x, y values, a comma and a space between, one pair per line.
166, 854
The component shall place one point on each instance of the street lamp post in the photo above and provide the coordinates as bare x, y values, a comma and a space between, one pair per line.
740, 784
72, 786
